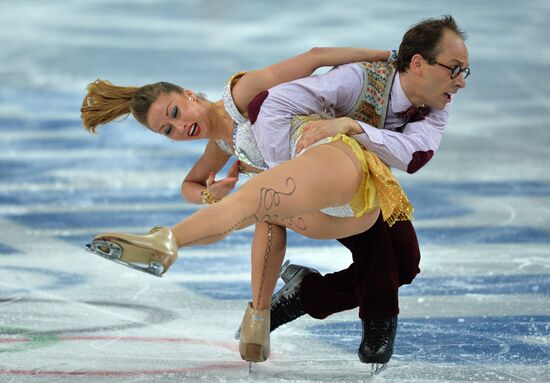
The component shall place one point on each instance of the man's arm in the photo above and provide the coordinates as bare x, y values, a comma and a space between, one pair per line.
334, 93
303, 65
408, 151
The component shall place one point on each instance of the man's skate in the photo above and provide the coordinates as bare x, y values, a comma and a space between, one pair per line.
151, 253
376, 346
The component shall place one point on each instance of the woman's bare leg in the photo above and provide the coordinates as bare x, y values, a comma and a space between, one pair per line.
269, 246
326, 175
268, 252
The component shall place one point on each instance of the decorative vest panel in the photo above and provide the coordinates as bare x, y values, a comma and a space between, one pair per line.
372, 105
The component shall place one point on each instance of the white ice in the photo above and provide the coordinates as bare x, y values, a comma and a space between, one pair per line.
478, 312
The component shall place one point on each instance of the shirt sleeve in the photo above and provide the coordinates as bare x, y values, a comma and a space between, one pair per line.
413, 148
333, 93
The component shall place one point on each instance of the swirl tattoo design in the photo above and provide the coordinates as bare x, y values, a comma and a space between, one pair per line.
270, 198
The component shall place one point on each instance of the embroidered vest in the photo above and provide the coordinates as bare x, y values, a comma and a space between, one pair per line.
372, 104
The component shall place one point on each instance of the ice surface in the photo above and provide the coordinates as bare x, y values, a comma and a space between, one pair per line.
478, 312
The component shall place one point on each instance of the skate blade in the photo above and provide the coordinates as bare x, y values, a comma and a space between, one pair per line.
113, 252
377, 368
252, 353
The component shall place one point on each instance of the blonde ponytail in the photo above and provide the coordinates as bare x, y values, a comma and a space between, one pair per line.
104, 103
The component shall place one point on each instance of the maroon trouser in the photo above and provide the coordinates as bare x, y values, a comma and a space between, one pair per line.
384, 258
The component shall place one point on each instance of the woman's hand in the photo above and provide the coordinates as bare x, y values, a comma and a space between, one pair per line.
221, 188
317, 130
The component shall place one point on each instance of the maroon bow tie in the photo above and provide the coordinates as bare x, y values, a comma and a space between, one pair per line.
414, 114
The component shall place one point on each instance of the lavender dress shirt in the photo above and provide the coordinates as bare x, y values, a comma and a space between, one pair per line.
335, 94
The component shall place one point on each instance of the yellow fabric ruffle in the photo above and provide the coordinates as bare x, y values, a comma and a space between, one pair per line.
379, 187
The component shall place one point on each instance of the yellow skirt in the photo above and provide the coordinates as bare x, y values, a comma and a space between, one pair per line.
379, 187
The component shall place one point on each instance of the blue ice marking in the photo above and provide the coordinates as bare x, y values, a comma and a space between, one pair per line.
8, 250
485, 234
452, 286
233, 290
61, 279
481, 340
12, 170
221, 290
101, 219
485, 284
439, 200
487, 189
91, 197
25, 170
24, 124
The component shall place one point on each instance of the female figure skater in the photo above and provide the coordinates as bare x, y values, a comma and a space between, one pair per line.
290, 194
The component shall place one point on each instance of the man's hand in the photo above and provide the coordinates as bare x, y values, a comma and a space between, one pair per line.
221, 188
317, 130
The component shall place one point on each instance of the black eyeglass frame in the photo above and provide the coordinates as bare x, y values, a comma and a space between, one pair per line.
455, 71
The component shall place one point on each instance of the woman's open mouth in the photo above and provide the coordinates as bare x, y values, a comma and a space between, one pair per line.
194, 130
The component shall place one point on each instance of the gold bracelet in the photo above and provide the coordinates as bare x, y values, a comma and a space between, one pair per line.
208, 198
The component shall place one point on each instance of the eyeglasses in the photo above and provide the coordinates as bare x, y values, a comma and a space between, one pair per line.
455, 71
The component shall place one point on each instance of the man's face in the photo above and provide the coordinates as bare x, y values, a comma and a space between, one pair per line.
437, 86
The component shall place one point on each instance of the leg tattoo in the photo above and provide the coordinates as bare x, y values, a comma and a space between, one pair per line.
270, 198
219, 236
268, 201
266, 258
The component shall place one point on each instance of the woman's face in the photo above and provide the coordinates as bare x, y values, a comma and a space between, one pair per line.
178, 116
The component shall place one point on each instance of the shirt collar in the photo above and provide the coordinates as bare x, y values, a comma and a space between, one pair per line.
398, 99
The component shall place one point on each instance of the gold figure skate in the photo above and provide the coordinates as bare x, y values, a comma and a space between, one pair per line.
151, 253
254, 340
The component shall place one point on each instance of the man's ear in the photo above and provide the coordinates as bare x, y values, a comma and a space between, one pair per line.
417, 63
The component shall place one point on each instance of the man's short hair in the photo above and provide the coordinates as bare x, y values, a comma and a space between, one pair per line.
424, 38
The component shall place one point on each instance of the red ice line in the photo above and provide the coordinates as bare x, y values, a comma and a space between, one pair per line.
229, 346
125, 373
133, 372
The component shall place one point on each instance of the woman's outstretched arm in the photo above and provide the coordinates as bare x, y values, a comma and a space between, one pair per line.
300, 66
200, 177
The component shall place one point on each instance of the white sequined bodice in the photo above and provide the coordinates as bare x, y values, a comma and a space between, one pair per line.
246, 147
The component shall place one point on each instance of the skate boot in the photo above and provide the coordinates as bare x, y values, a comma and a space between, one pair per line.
254, 342
377, 344
289, 271
286, 304
152, 253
